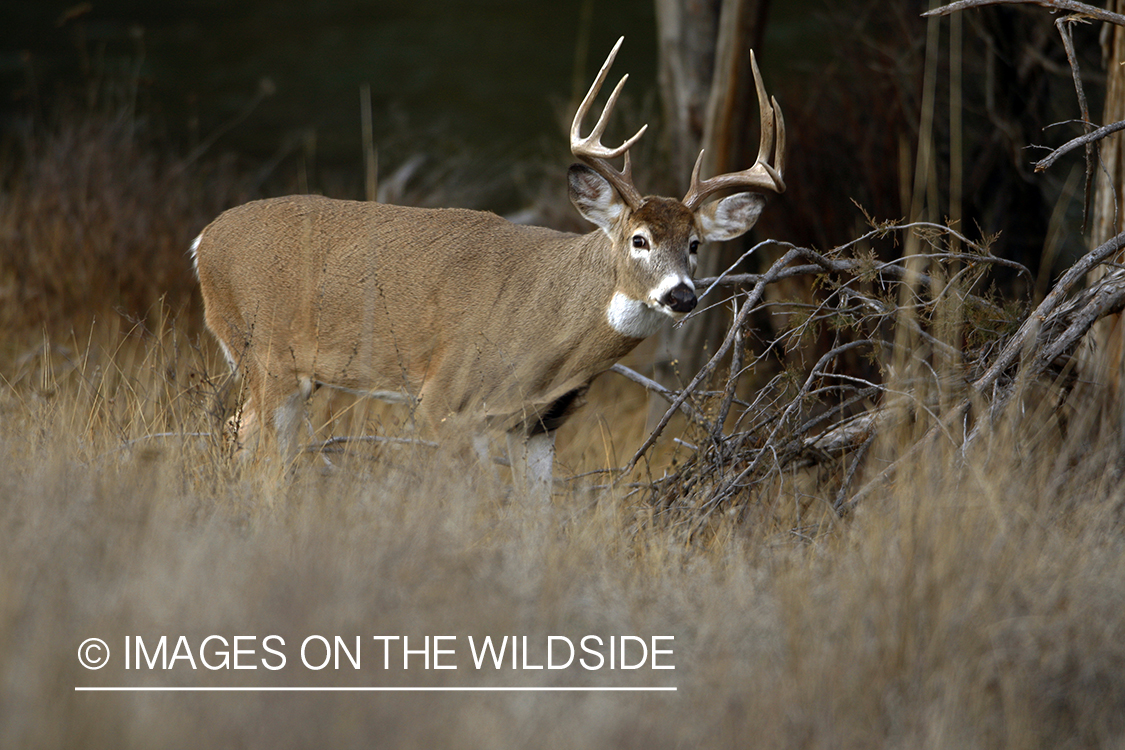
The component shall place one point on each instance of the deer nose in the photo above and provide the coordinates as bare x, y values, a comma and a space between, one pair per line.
681, 298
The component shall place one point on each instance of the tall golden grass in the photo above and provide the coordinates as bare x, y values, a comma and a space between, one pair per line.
975, 601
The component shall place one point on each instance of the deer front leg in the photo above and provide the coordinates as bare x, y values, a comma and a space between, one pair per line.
532, 460
240, 432
271, 417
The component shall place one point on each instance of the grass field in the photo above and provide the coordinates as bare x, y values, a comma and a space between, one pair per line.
975, 601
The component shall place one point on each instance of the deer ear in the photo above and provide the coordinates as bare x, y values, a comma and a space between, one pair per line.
594, 197
731, 217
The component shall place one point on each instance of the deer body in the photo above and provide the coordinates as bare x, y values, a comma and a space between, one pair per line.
466, 316
328, 292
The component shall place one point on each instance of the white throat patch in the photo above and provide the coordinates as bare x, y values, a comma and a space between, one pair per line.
633, 318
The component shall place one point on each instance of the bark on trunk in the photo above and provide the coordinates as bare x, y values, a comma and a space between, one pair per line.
1108, 336
709, 103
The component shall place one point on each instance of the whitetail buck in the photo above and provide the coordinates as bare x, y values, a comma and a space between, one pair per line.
461, 313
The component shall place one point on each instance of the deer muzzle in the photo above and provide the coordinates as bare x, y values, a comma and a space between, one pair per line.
680, 298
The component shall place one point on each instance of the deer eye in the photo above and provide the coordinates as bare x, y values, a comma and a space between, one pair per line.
693, 248
640, 241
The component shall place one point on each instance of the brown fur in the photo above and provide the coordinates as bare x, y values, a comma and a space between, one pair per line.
460, 310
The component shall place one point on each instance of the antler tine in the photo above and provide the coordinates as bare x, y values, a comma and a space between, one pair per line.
779, 145
590, 149
761, 176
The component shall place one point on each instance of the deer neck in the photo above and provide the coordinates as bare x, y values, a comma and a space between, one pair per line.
625, 316
632, 318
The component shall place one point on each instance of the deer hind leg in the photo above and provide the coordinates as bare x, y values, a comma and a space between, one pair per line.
533, 459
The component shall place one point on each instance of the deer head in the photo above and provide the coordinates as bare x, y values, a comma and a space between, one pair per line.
655, 240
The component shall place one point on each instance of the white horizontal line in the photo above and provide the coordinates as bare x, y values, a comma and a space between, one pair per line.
314, 689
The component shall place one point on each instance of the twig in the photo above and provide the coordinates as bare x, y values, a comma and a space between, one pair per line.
1027, 332
344, 439
1023, 341
1092, 11
752, 299
732, 379
1106, 298
713, 282
817, 263
668, 395
857, 459
1063, 25
797, 401
857, 266
1088, 138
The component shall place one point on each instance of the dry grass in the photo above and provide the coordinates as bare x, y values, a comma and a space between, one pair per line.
93, 219
980, 606
972, 603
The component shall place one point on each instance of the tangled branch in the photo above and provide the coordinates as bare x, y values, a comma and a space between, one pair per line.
917, 340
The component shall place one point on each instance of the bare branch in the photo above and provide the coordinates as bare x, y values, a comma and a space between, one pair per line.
732, 381
1063, 25
1098, 14
814, 420
668, 395
333, 442
1027, 332
752, 300
857, 459
817, 370
1107, 297
957, 362
1025, 341
1082, 140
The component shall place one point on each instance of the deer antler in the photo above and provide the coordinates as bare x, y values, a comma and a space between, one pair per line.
590, 149
759, 177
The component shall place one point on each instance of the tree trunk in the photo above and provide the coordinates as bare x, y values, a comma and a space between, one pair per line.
1108, 336
709, 102
687, 31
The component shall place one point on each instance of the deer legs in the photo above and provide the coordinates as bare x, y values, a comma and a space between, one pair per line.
532, 459
279, 401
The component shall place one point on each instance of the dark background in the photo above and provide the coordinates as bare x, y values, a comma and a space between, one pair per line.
490, 76
476, 95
